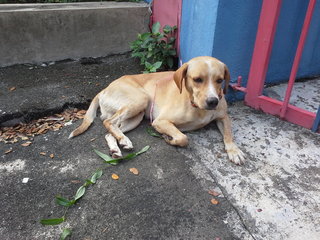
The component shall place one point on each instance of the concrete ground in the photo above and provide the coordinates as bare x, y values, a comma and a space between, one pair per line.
275, 195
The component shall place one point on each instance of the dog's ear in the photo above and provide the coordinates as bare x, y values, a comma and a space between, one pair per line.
179, 75
226, 79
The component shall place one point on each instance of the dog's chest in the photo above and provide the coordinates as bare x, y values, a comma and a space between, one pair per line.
197, 121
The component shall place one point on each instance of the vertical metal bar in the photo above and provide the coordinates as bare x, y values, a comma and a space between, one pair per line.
262, 50
297, 58
316, 121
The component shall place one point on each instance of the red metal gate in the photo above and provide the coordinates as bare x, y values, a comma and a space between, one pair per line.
259, 65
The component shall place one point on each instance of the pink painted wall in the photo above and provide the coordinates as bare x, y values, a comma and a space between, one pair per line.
167, 12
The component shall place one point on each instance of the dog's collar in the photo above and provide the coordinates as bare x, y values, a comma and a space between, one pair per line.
193, 104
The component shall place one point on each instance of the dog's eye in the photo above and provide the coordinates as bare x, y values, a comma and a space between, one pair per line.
198, 80
219, 81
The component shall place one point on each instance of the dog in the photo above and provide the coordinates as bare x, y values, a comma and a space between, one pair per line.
175, 102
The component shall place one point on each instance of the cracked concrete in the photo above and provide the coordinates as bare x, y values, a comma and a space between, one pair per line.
275, 195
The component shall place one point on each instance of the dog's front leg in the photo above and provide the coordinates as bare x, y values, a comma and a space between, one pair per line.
174, 136
234, 153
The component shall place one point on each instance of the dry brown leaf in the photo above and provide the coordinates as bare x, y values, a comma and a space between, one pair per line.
27, 131
82, 112
114, 176
12, 89
75, 181
8, 151
213, 193
43, 153
26, 144
134, 171
51, 155
214, 201
42, 130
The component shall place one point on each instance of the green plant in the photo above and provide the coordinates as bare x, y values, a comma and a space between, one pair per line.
155, 49
65, 202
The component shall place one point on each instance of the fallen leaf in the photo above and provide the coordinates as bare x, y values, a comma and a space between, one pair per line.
26, 144
42, 130
51, 155
12, 89
82, 112
43, 153
115, 176
8, 151
75, 181
213, 193
214, 201
134, 171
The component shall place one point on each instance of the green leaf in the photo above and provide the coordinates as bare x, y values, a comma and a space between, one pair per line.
65, 233
137, 54
157, 65
167, 29
52, 221
144, 36
87, 183
172, 52
129, 156
80, 192
96, 176
143, 150
171, 40
156, 28
153, 133
107, 158
148, 65
170, 62
64, 202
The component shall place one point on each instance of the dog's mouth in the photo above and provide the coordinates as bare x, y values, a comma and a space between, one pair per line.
211, 108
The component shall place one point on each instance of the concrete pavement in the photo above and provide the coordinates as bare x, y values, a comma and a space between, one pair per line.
275, 195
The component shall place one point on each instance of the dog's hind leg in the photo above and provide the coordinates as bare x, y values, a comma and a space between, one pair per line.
114, 149
131, 123
125, 126
125, 119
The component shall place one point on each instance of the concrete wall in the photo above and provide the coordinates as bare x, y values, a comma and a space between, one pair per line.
34, 33
226, 29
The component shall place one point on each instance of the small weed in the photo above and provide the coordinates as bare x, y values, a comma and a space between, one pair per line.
81, 190
155, 49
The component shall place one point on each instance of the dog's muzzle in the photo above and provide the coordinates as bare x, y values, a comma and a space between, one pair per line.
211, 103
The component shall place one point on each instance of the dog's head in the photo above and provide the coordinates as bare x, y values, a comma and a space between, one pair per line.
206, 79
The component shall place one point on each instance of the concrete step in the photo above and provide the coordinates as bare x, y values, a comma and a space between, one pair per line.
34, 33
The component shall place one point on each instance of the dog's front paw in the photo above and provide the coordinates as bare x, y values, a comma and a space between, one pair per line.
180, 141
235, 154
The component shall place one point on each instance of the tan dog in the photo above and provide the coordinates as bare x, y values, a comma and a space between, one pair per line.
184, 100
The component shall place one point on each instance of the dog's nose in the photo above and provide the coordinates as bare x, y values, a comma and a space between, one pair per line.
212, 102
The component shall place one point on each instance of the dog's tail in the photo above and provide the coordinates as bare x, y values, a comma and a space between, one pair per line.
88, 118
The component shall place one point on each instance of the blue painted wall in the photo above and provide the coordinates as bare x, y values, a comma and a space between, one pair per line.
198, 24
226, 29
